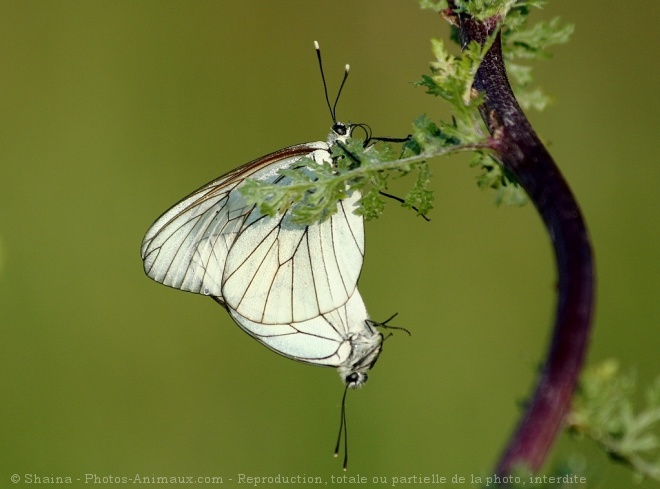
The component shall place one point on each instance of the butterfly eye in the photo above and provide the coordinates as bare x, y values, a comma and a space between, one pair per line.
340, 129
356, 379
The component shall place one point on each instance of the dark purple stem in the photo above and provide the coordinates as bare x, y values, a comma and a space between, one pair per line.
521, 152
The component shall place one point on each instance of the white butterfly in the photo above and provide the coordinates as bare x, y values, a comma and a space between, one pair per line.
272, 274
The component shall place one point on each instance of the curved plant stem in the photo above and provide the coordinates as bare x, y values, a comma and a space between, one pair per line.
521, 152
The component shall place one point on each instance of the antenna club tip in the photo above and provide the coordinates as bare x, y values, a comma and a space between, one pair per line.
335, 455
316, 45
348, 68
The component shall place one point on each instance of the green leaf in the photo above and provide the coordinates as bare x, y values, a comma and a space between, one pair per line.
534, 42
603, 410
508, 190
435, 5
420, 197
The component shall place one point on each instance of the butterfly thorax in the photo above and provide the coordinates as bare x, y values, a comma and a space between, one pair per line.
366, 348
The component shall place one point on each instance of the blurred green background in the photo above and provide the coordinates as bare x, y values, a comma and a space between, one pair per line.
113, 111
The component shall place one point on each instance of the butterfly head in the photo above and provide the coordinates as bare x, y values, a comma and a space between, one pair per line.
354, 380
365, 352
340, 132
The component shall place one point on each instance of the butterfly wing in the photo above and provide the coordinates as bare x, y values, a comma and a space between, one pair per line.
332, 339
187, 247
280, 272
268, 270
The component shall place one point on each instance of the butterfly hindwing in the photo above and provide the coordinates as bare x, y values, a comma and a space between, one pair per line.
326, 339
278, 271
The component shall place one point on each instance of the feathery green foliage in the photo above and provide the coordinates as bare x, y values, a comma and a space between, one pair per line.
604, 411
520, 43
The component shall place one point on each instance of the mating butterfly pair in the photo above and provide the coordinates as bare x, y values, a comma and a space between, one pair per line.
292, 287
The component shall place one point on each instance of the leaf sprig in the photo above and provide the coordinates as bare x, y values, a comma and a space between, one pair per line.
522, 43
604, 411
312, 190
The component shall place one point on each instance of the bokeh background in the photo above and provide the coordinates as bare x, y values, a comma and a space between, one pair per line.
112, 111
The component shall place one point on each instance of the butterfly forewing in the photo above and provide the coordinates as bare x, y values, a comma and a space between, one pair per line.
269, 270
193, 237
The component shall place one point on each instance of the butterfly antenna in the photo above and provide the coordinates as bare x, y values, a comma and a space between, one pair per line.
325, 86
341, 87
342, 427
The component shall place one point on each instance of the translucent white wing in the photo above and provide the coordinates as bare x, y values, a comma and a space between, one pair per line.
268, 270
186, 248
281, 272
342, 338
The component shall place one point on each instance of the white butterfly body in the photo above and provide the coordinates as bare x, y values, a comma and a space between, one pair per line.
292, 287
